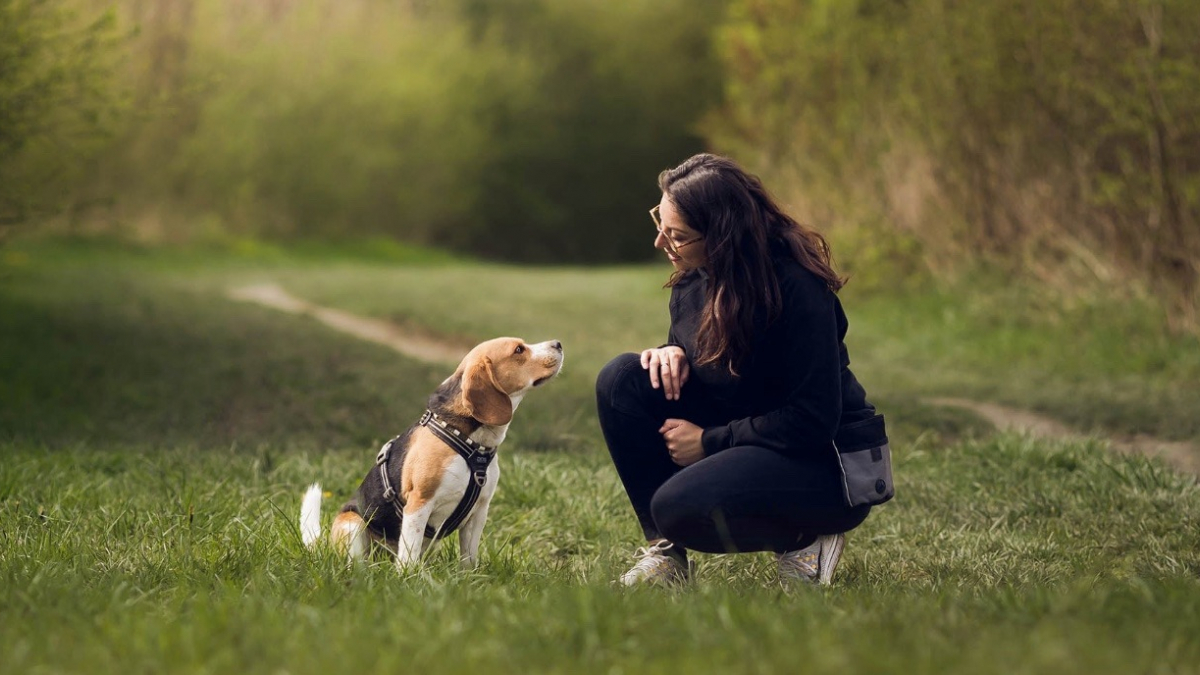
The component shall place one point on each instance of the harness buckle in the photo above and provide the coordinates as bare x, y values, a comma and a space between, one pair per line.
384, 453
425, 417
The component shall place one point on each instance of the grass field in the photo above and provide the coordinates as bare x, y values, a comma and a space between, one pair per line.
156, 438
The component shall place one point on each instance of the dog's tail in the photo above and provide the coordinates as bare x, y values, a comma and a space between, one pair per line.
310, 515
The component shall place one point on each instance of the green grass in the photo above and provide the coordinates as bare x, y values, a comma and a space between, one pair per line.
156, 439
1101, 365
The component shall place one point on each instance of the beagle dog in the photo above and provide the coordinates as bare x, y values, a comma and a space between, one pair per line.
438, 474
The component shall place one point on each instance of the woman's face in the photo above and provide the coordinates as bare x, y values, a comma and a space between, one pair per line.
683, 245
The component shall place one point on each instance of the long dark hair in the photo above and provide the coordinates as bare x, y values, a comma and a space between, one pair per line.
743, 228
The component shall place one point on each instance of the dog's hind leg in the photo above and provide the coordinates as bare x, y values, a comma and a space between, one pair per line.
349, 535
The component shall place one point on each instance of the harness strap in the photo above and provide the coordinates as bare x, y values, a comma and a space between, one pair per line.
478, 458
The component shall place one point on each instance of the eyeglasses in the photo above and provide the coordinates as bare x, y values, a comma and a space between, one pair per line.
672, 246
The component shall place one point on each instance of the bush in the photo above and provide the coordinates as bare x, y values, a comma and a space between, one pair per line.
1058, 138
525, 130
57, 102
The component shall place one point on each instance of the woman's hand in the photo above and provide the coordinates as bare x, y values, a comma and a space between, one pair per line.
668, 366
683, 441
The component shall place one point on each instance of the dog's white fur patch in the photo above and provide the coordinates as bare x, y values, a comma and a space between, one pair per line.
310, 515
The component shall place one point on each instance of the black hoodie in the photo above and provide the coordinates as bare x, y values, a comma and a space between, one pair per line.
795, 387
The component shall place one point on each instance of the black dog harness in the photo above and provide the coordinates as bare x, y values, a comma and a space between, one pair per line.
478, 458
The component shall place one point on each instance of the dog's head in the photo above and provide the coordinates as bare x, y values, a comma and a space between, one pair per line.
496, 375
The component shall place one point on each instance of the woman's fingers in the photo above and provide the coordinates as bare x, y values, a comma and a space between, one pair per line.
670, 385
680, 370
668, 368
653, 364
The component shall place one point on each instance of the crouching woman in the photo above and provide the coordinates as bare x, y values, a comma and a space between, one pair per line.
724, 438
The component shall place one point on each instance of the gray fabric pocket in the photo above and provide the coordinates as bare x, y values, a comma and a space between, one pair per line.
865, 459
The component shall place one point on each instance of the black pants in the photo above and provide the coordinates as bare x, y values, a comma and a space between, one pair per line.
741, 499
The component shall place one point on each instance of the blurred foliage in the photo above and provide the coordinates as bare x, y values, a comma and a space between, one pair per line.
57, 102
526, 130
1060, 137
1056, 139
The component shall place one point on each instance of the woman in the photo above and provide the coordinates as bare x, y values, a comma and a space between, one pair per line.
723, 437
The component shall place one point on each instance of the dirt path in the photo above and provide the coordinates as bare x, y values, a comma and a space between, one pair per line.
1180, 455
385, 333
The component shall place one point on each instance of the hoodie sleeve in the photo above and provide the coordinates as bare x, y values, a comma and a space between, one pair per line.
673, 341
808, 357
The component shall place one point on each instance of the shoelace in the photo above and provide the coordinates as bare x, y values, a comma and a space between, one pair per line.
648, 553
650, 560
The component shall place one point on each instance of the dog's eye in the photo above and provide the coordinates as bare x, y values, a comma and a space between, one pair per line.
519, 350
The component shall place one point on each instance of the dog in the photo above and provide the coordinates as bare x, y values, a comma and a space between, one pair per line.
438, 475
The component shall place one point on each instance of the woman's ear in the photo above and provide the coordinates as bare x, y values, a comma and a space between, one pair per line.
483, 398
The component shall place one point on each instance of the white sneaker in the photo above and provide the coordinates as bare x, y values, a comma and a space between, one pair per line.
813, 564
653, 567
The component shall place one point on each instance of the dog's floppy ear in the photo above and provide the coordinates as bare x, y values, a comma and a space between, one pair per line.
483, 397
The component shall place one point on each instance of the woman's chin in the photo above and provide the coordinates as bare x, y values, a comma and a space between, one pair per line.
680, 264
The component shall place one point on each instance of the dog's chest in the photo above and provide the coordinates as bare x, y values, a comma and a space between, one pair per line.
456, 476
450, 491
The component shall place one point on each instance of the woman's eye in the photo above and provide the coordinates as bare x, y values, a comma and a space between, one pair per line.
520, 349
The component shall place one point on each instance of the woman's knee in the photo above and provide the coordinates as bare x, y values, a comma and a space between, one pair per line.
615, 377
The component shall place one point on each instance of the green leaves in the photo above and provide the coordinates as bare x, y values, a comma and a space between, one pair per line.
530, 130
57, 102
1058, 138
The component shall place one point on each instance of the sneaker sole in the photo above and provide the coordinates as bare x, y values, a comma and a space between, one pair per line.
829, 560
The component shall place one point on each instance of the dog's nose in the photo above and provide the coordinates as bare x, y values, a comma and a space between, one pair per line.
556, 344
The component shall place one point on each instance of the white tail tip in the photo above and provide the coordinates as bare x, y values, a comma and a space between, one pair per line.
310, 515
